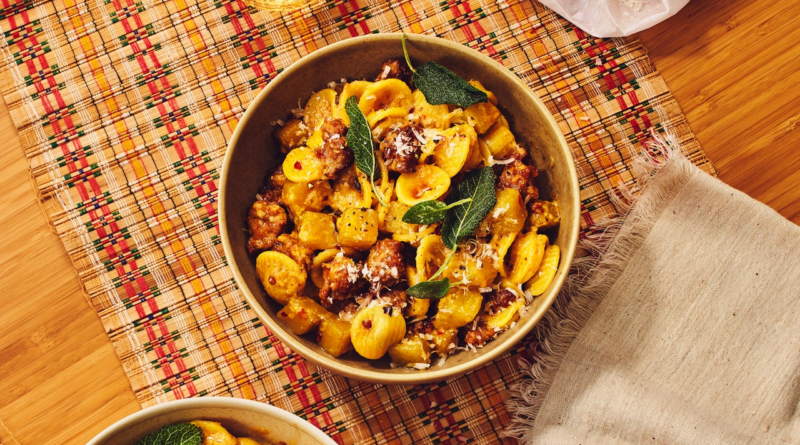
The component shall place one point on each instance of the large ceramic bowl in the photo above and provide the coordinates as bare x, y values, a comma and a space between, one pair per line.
239, 416
252, 151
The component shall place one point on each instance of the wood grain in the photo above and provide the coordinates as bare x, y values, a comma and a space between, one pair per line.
733, 65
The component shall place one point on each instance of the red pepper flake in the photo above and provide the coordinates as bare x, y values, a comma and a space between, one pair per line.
440, 332
302, 313
283, 314
367, 324
319, 336
298, 165
272, 280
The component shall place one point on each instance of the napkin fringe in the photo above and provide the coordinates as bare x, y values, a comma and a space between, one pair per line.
599, 261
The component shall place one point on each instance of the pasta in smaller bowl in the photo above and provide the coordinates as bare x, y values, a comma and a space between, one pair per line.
406, 221
212, 421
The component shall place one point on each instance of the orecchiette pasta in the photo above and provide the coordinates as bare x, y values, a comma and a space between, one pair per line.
319, 215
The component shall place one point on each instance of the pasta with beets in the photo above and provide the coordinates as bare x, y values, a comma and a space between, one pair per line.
334, 250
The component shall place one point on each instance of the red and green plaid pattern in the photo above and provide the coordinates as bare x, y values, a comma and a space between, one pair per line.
125, 107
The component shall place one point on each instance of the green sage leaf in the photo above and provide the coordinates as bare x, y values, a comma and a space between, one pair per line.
429, 290
429, 212
359, 139
178, 434
439, 85
461, 221
442, 86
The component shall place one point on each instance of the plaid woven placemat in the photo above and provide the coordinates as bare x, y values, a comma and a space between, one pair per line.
124, 109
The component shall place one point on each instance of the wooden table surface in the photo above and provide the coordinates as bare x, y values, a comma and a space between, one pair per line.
733, 65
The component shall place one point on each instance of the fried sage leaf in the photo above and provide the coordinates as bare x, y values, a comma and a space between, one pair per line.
359, 139
430, 290
429, 212
462, 220
178, 434
442, 86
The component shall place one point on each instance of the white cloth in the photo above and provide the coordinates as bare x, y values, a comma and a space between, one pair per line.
687, 332
615, 18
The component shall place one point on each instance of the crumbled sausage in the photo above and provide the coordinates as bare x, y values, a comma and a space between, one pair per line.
395, 297
401, 148
273, 186
499, 300
519, 176
342, 281
394, 69
266, 221
478, 333
421, 327
333, 152
292, 247
385, 264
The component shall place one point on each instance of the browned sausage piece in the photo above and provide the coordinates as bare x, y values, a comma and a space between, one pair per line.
478, 333
394, 69
333, 152
273, 186
401, 148
385, 264
499, 300
342, 280
519, 176
292, 247
266, 221
395, 297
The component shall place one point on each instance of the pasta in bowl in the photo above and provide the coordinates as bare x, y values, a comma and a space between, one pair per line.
408, 230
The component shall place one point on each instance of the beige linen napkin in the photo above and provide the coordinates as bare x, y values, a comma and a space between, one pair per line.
686, 330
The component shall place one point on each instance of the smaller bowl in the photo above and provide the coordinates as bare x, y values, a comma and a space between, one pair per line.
239, 416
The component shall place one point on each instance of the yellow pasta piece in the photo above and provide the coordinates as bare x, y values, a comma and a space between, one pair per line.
479, 270
499, 141
506, 217
458, 308
379, 115
430, 116
317, 230
302, 315
323, 257
358, 228
477, 84
351, 190
302, 197
427, 183
376, 328
544, 214
502, 121
504, 317
410, 351
214, 433
502, 244
482, 116
547, 271
452, 153
526, 256
334, 336
319, 106
315, 140
355, 88
291, 135
431, 253
475, 159
246, 441
444, 341
402, 231
302, 165
416, 307
281, 276
383, 94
